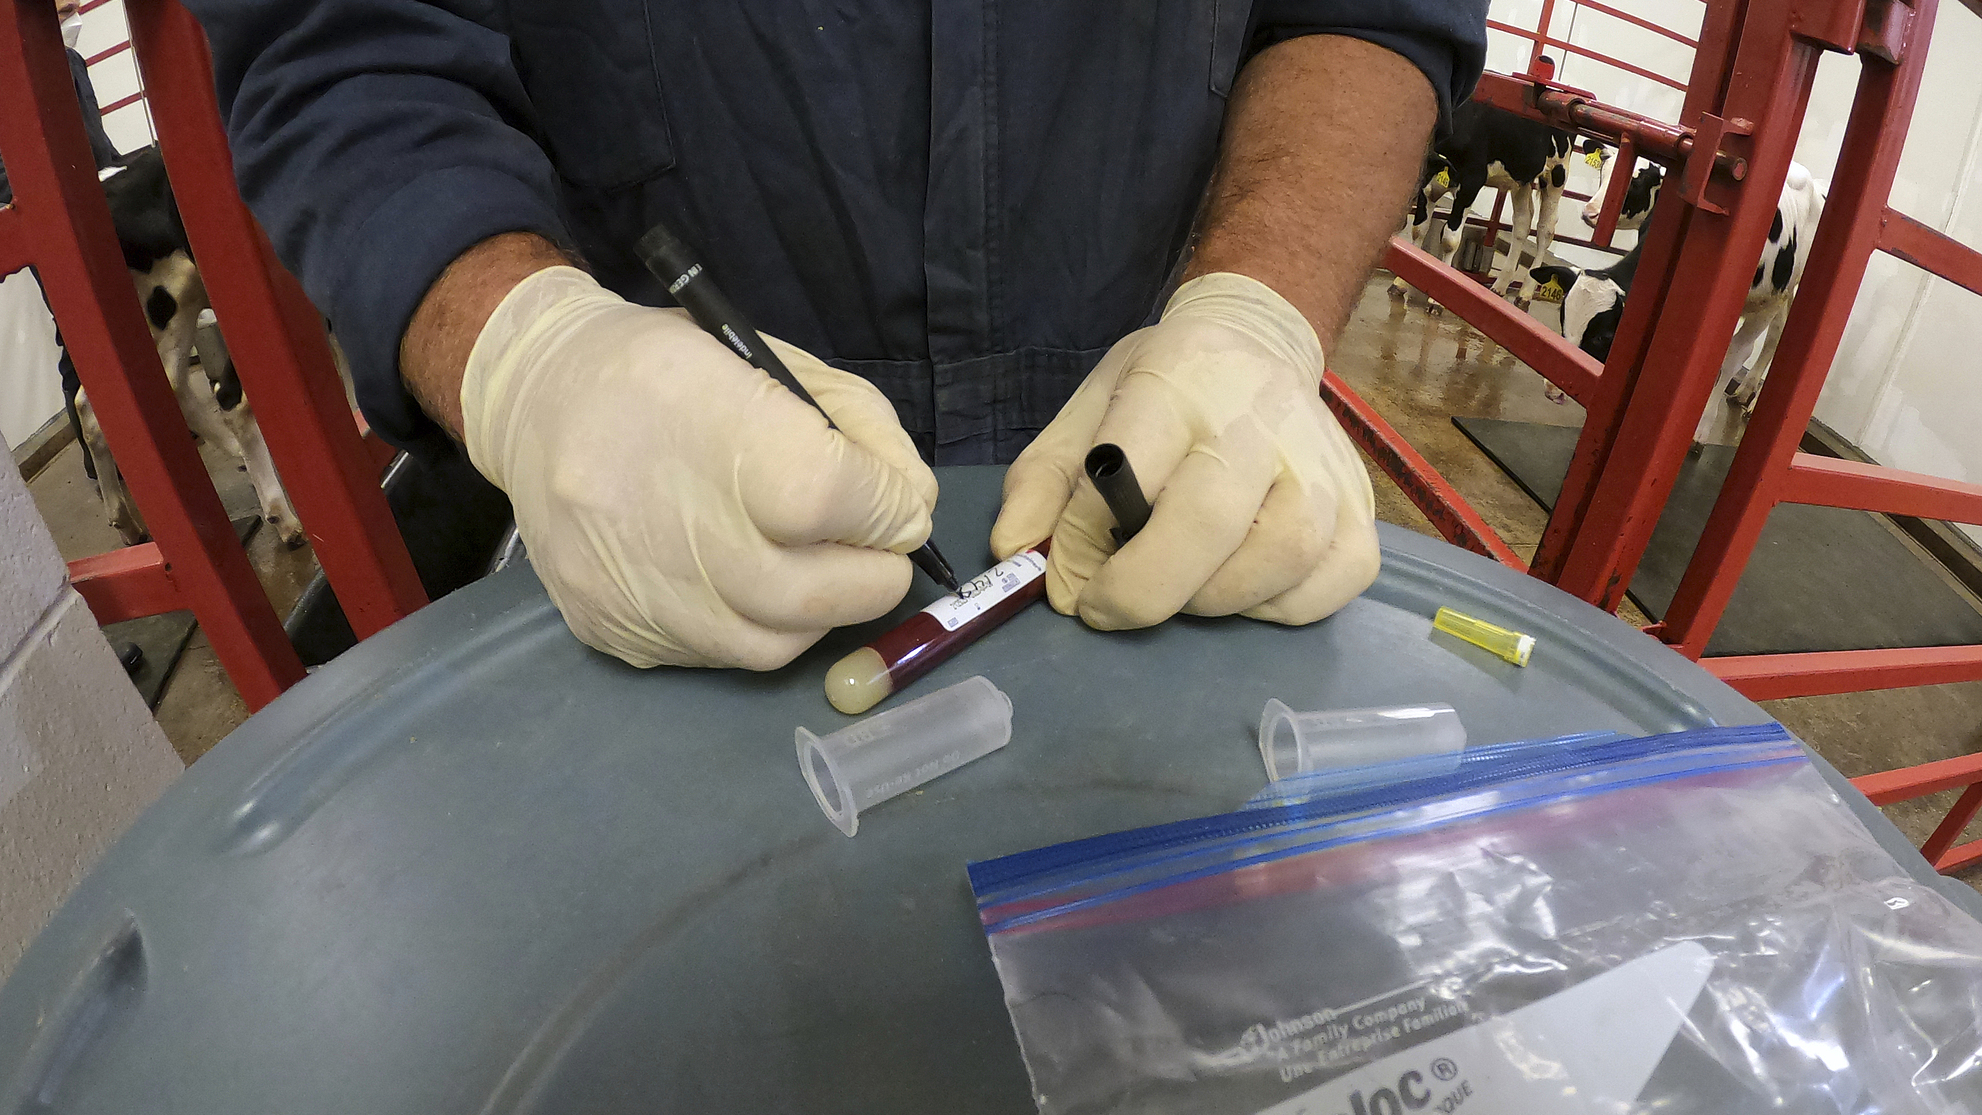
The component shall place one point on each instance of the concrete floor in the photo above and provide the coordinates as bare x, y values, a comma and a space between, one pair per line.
1419, 369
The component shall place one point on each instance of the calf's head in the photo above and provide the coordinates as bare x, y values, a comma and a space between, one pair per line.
1638, 196
1592, 305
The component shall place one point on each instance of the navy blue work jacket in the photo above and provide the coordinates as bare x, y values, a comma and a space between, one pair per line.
965, 201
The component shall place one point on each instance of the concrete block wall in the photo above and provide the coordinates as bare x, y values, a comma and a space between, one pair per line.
80, 755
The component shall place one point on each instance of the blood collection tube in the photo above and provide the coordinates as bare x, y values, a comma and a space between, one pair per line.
859, 681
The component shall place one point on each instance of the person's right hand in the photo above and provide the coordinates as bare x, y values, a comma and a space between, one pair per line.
681, 506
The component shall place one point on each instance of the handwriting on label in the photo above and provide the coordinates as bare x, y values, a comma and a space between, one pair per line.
977, 595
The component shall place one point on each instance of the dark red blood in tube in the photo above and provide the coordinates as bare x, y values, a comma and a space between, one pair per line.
859, 681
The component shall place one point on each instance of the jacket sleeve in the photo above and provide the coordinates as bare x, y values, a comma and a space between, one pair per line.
99, 140
376, 140
104, 151
1444, 38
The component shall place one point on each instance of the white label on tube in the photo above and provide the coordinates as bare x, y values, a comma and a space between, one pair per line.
987, 588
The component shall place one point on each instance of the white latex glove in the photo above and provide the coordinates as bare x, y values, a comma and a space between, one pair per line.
1262, 506
681, 506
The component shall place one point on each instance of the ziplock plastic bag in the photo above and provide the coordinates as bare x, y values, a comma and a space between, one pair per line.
1682, 923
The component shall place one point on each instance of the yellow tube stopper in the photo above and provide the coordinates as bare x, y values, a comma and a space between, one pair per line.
1511, 645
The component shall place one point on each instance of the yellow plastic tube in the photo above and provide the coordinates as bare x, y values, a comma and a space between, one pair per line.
1511, 645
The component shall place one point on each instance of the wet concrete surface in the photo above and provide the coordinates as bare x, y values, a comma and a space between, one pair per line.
1420, 370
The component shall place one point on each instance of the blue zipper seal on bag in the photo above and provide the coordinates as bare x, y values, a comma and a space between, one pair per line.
1479, 766
1314, 836
1320, 823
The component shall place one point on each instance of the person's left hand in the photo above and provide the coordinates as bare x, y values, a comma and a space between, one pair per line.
1261, 505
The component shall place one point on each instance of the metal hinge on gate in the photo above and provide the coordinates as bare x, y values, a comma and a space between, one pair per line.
1875, 27
1887, 27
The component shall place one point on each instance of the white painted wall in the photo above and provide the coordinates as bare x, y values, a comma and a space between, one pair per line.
80, 757
1609, 35
1906, 386
30, 387
116, 77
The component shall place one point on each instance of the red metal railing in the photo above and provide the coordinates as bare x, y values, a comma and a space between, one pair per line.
1768, 469
1745, 103
1540, 39
61, 224
1639, 21
135, 97
1530, 341
66, 233
1583, 51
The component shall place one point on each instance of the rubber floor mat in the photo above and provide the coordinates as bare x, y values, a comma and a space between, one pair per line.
1822, 578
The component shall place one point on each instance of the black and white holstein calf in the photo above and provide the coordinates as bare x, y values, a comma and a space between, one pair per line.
170, 290
1638, 196
1488, 147
1594, 301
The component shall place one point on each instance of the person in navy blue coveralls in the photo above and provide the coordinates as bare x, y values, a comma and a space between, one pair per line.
985, 231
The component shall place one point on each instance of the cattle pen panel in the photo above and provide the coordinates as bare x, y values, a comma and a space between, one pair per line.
1539, 66
1768, 469
61, 225
65, 231
1727, 164
1540, 40
276, 336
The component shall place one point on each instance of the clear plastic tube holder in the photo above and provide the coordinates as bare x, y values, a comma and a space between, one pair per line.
889, 753
1297, 743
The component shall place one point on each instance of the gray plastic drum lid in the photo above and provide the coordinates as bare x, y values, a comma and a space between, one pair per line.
473, 866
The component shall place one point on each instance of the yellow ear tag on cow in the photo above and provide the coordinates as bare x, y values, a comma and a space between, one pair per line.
1443, 180
1595, 158
1550, 291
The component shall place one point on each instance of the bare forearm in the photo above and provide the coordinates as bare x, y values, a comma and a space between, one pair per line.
433, 353
1324, 142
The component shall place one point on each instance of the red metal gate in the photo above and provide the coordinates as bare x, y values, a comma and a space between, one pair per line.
1728, 159
60, 224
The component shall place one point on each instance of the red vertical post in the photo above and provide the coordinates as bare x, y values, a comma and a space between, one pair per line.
74, 247
1950, 829
1852, 224
1624, 170
1769, 89
1542, 28
1604, 407
1713, 61
274, 334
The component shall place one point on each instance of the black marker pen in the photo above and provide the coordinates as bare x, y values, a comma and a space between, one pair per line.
688, 281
